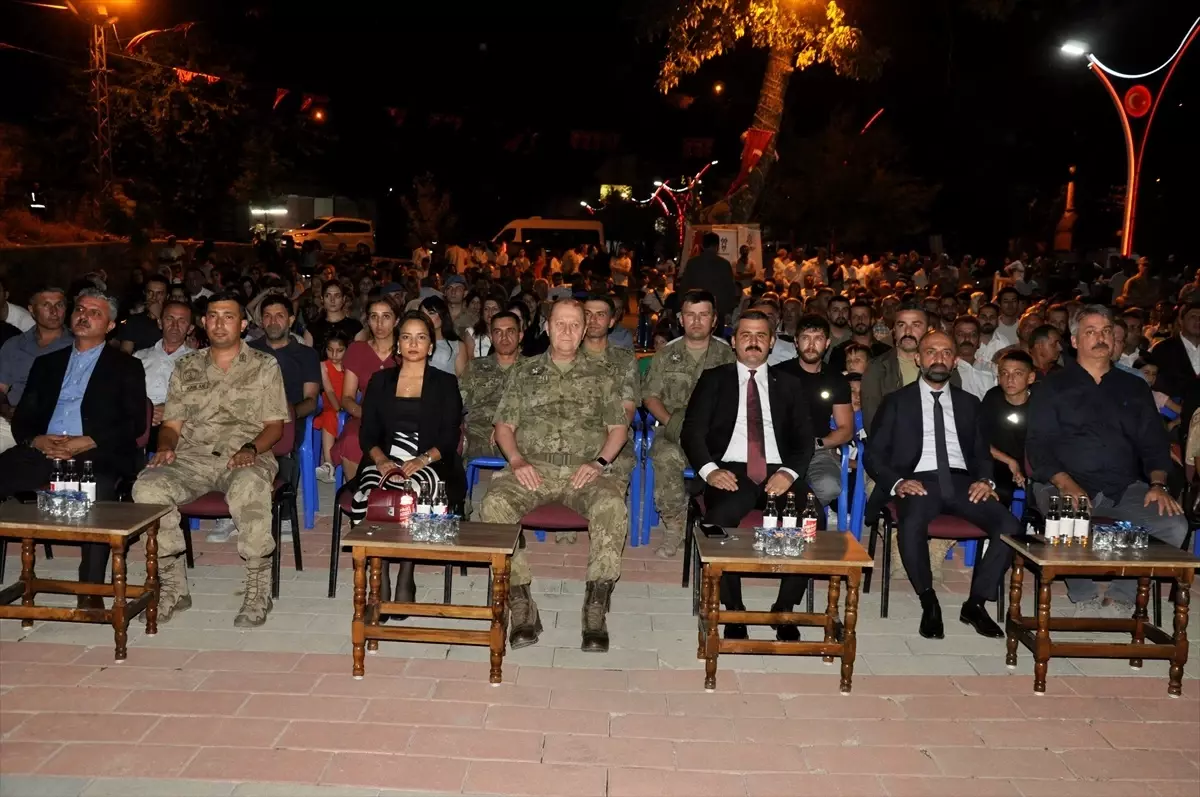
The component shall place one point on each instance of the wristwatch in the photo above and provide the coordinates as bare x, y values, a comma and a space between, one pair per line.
602, 462
251, 448
1160, 485
820, 443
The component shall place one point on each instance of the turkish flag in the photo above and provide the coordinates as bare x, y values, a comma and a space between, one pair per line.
755, 144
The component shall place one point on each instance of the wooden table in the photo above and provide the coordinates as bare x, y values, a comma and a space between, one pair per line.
489, 544
117, 525
1054, 561
834, 553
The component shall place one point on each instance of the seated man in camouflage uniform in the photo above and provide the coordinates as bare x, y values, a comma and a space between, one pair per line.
674, 371
560, 424
600, 314
225, 410
483, 382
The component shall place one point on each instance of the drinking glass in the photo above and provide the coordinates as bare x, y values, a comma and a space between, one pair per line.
437, 529
43, 501
77, 506
759, 538
451, 522
791, 543
58, 504
774, 542
418, 529
1141, 538
1102, 540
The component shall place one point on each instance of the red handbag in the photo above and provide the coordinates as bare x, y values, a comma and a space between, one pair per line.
393, 501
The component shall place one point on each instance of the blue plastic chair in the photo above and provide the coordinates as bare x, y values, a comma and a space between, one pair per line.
308, 472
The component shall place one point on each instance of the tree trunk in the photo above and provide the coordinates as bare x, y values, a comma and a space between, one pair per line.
767, 116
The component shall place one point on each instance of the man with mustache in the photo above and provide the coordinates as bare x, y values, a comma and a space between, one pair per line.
898, 367
85, 402
748, 435
928, 450
1094, 431
991, 340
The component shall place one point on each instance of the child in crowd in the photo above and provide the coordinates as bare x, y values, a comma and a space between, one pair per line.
332, 376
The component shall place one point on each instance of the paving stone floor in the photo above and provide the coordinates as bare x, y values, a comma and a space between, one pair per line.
206, 709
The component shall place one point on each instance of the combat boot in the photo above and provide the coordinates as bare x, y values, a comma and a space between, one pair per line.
565, 537
671, 540
595, 605
257, 603
173, 594
525, 624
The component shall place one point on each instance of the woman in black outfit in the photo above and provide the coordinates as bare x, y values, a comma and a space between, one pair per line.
411, 421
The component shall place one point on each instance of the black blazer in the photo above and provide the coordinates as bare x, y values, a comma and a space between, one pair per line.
712, 412
113, 409
1175, 375
440, 424
895, 442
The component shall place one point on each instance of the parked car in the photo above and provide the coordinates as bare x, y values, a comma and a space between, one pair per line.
331, 231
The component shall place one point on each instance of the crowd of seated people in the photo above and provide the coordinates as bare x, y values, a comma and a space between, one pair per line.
965, 383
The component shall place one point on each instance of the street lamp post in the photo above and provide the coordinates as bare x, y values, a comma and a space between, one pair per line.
1138, 103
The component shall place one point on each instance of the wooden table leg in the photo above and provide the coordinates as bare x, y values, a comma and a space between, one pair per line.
120, 622
152, 578
850, 641
712, 644
1183, 592
358, 629
372, 618
500, 571
1041, 652
831, 612
702, 618
1016, 581
1140, 617
27, 550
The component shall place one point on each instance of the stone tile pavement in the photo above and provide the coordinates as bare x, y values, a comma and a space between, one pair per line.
206, 709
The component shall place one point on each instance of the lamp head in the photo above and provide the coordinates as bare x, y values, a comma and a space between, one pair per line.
1074, 49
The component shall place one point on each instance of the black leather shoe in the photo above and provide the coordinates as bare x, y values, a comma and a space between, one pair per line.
89, 602
976, 615
736, 631
931, 616
785, 633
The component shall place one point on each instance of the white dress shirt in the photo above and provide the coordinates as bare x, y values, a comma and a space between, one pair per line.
988, 350
781, 352
20, 318
159, 365
739, 443
1193, 353
954, 454
977, 379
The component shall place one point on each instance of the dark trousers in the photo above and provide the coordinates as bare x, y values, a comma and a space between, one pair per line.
917, 511
724, 508
24, 469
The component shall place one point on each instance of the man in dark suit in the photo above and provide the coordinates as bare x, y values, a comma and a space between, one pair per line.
87, 403
749, 435
928, 450
710, 272
1176, 356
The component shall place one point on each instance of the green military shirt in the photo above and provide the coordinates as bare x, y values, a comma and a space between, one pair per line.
223, 410
674, 372
557, 411
482, 384
622, 366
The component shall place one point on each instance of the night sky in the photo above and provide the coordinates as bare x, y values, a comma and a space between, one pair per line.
988, 109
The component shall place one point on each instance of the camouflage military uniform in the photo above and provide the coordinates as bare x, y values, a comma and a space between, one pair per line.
221, 411
482, 384
561, 419
623, 370
672, 376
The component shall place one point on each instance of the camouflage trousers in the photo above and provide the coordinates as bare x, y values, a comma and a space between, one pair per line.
247, 491
670, 493
479, 444
602, 502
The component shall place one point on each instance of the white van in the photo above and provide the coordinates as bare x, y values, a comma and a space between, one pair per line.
330, 231
556, 235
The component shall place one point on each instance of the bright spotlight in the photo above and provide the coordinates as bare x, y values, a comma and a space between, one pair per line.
1074, 49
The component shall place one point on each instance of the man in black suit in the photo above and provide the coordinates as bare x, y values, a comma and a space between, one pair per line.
927, 449
87, 403
710, 272
748, 434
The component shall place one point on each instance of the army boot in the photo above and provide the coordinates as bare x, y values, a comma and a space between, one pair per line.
595, 605
257, 603
565, 537
525, 624
672, 538
173, 594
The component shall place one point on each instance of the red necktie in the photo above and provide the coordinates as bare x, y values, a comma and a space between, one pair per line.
756, 450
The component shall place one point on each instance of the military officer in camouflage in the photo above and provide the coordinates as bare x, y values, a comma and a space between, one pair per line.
673, 373
560, 424
483, 382
225, 410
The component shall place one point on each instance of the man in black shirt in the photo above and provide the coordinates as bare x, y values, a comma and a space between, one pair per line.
828, 395
143, 330
334, 318
1094, 431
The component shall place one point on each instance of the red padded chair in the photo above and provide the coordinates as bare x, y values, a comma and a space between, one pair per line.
943, 527
212, 505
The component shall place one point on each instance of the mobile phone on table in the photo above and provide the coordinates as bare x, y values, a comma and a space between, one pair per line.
714, 532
